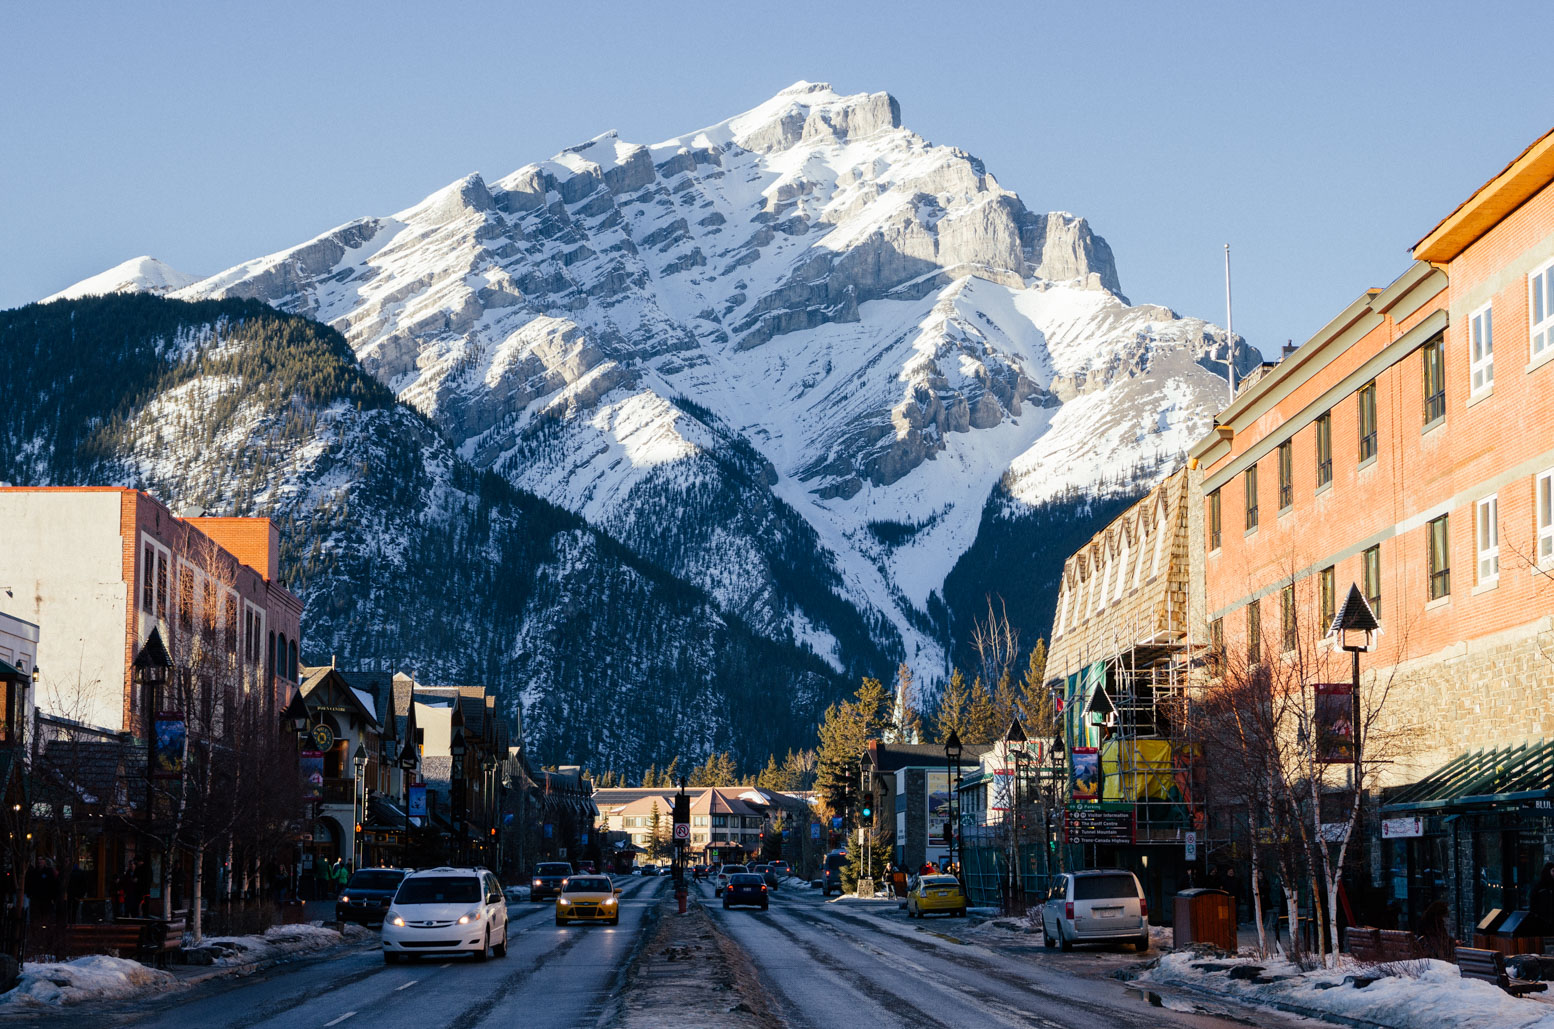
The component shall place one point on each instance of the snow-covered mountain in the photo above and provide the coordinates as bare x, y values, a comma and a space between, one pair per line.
137, 275
788, 356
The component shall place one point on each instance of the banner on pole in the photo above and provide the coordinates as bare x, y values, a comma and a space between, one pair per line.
1333, 716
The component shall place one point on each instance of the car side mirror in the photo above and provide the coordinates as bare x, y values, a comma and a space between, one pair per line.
617, 891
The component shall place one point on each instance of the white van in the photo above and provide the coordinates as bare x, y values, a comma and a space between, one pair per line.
1097, 905
446, 911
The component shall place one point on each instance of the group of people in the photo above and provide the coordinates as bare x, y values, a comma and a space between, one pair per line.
323, 881
51, 896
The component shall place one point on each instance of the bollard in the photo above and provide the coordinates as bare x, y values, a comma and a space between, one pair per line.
679, 895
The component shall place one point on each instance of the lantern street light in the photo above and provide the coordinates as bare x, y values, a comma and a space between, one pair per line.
358, 796
1014, 749
457, 749
407, 763
487, 794
1055, 791
1356, 627
952, 752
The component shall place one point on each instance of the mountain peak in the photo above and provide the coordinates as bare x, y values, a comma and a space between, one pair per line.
144, 274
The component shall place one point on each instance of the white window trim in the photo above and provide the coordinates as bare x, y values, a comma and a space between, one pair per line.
1545, 328
1122, 568
1543, 517
156, 612
1486, 364
1486, 538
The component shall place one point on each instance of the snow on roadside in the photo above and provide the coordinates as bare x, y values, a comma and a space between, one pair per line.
1437, 997
95, 977
280, 941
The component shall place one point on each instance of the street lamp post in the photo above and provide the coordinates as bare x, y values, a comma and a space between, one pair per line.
952, 752
457, 749
407, 764
1055, 791
1355, 626
1014, 741
358, 794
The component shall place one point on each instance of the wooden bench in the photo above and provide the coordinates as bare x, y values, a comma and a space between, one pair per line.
1399, 945
1489, 966
146, 940
1363, 943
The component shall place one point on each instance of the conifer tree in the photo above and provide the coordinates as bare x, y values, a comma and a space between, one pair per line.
953, 701
670, 777
981, 715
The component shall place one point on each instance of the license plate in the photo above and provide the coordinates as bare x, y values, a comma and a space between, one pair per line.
1107, 912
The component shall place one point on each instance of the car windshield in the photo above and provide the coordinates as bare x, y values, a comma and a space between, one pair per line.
554, 870
1104, 887
375, 880
744, 879
731, 869
587, 884
835, 861
439, 889
939, 880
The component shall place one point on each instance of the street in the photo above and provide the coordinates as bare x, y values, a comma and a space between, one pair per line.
819, 964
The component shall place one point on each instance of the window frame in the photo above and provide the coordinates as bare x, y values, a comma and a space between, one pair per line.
1249, 481
1286, 462
1217, 639
1486, 538
1433, 374
1438, 557
1543, 517
1543, 327
1366, 423
1287, 620
1481, 325
1254, 632
1327, 580
1324, 426
1370, 577
1216, 523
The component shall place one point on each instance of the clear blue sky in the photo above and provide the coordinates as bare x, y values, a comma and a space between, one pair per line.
1319, 140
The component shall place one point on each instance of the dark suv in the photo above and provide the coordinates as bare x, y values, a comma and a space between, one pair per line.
548, 877
368, 895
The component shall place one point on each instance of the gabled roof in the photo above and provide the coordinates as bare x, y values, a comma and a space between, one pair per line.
892, 757
315, 679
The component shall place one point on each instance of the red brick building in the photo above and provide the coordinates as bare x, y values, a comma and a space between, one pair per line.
1408, 447
105, 567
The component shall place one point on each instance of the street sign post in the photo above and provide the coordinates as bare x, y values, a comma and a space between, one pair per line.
1192, 846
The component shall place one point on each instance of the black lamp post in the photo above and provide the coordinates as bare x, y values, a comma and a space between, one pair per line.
457, 749
952, 752
358, 797
1355, 626
487, 789
1059, 766
1014, 749
407, 763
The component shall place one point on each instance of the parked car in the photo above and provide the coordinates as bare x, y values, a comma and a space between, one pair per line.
1097, 905
746, 888
935, 894
722, 881
588, 898
368, 895
767, 875
548, 877
831, 872
446, 911
782, 867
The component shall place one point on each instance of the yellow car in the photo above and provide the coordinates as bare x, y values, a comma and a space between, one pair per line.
936, 893
588, 898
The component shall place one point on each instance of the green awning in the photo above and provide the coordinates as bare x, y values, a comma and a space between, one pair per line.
1477, 778
8, 673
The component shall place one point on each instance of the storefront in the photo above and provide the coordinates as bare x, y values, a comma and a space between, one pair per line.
1474, 834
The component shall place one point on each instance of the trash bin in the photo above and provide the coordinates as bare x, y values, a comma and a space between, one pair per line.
1205, 916
1518, 933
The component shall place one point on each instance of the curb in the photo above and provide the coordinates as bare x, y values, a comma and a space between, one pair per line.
1278, 1005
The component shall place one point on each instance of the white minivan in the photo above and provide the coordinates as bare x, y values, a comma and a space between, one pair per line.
446, 911
1097, 905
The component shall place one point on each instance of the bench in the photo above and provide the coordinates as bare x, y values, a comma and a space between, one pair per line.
1363, 943
1399, 945
145, 940
1489, 966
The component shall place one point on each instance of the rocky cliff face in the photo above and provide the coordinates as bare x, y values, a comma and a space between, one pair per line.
743, 350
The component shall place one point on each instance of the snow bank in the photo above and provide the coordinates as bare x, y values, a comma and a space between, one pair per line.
95, 977
1436, 998
280, 941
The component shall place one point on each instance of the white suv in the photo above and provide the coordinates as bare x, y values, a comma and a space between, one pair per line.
446, 911
722, 881
1097, 905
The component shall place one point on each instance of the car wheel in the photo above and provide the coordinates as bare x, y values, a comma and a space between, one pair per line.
725, 905
1046, 937
1063, 941
560, 920
1142, 943
501, 949
485, 951
616, 920
391, 958
961, 913
763, 907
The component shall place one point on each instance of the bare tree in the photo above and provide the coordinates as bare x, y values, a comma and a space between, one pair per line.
997, 643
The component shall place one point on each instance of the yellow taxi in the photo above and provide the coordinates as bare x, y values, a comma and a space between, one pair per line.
588, 898
929, 894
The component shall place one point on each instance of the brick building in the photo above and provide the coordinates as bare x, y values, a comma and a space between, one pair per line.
104, 567
1408, 448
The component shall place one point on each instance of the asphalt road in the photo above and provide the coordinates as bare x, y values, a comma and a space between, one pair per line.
867, 964
552, 978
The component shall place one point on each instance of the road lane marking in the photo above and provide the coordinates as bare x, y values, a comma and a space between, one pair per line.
445, 965
337, 1021
406, 986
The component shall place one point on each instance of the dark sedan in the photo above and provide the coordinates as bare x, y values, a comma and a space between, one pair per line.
368, 895
745, 888
548, 877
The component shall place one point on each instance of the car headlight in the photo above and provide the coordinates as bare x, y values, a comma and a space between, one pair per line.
538, 883
473, 916
396, 920
344, 899
562, 901
609, 901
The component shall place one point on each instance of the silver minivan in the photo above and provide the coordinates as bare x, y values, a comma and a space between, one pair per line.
1097, 905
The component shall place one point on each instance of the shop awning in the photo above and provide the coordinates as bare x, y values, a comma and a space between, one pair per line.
1496, 775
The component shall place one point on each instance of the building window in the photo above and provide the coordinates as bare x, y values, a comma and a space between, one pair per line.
1325, 582
1439, 556
1251, 498
186, 598
148, 581
291, 660
720, 821
1254, 632
1287, 616
1286, 475
1487, 530
1540, 310
1217, 640
1481, 349
1214, 520
1543, 502
1434, 381
229, 628
1324, 448
1370, 575
164, 606
1367, 398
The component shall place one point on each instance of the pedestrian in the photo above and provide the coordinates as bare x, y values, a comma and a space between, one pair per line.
1542, 901
42, 891
76, 889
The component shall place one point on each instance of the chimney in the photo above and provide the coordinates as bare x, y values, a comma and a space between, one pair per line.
1289, 348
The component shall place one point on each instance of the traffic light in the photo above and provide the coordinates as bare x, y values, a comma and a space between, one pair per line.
866, 810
